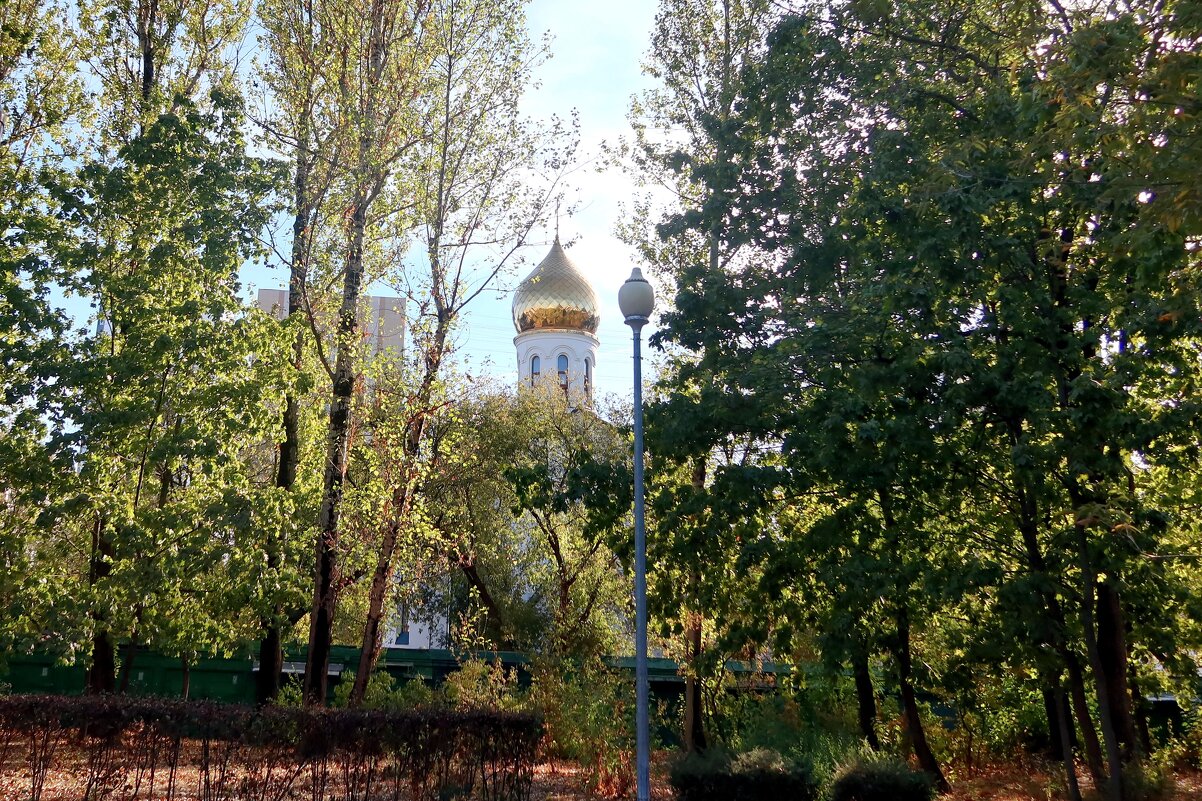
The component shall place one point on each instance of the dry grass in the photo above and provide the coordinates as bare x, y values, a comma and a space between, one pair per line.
1028, 782
565, 781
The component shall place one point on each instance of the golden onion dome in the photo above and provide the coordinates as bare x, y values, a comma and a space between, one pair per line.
556, 295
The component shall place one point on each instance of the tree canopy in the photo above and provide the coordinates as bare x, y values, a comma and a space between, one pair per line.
955, 344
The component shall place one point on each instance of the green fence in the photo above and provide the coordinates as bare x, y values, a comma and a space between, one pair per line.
233, 680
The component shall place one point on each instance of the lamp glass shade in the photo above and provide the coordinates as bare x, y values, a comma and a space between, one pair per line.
636, 298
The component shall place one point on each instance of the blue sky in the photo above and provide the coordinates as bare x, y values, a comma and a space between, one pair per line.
597, 49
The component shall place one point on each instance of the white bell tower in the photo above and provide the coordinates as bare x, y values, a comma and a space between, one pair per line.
556, 312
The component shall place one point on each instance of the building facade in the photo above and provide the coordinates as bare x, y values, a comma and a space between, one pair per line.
382, 319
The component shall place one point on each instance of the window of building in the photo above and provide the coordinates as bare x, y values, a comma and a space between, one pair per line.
588, 376
535, 367
563, 372
402, 631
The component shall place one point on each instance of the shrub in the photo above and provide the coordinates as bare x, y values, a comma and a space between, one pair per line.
383, 692
588, 711
872, 777
758, 775
273, 752
482, 685
412, 693
1151, 780
292, 693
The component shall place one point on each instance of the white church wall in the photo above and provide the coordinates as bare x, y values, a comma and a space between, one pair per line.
548, 345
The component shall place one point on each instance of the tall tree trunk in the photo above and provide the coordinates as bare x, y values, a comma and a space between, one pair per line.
327, 569
369, 647
901, 653
1090, 599
102, 672
472, 574
1140, 711
271, 658
1112, 649
1083, 715
1028, 525
271, 648
370, 177
1114, 756
1062, 731
127, 664
1081, 497
865, 698
694, 729
1050, 708
185, 681
913, 717
147, 19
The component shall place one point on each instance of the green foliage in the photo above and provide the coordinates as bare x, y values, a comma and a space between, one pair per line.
1148, 781
139, 496
870, 777
412, 693
588, 712
928, 361
803, 721
479, 684
1004, 719
804, 727
141, 485
161, 410
39, 100
386, 694
531, 495
757, 775
291, 694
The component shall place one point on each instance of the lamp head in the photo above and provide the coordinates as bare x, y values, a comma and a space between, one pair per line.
636, 299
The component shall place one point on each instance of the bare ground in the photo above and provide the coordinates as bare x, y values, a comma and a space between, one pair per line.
565, 781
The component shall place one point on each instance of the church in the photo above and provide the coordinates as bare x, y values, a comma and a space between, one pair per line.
556, 313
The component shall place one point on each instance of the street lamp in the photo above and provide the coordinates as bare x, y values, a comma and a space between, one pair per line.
636, 299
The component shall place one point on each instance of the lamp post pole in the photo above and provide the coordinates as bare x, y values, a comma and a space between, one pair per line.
636, 300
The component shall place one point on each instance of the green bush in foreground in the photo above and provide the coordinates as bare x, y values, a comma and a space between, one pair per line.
758, 775
870, 777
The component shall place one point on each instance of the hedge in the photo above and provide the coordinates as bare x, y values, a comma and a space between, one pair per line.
128, 748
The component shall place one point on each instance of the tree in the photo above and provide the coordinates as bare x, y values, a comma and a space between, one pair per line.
525, 503
38, 99
298, 76
483, 176
380, 64
697, 50
571, 488
970, 206
180, 49
161, 407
